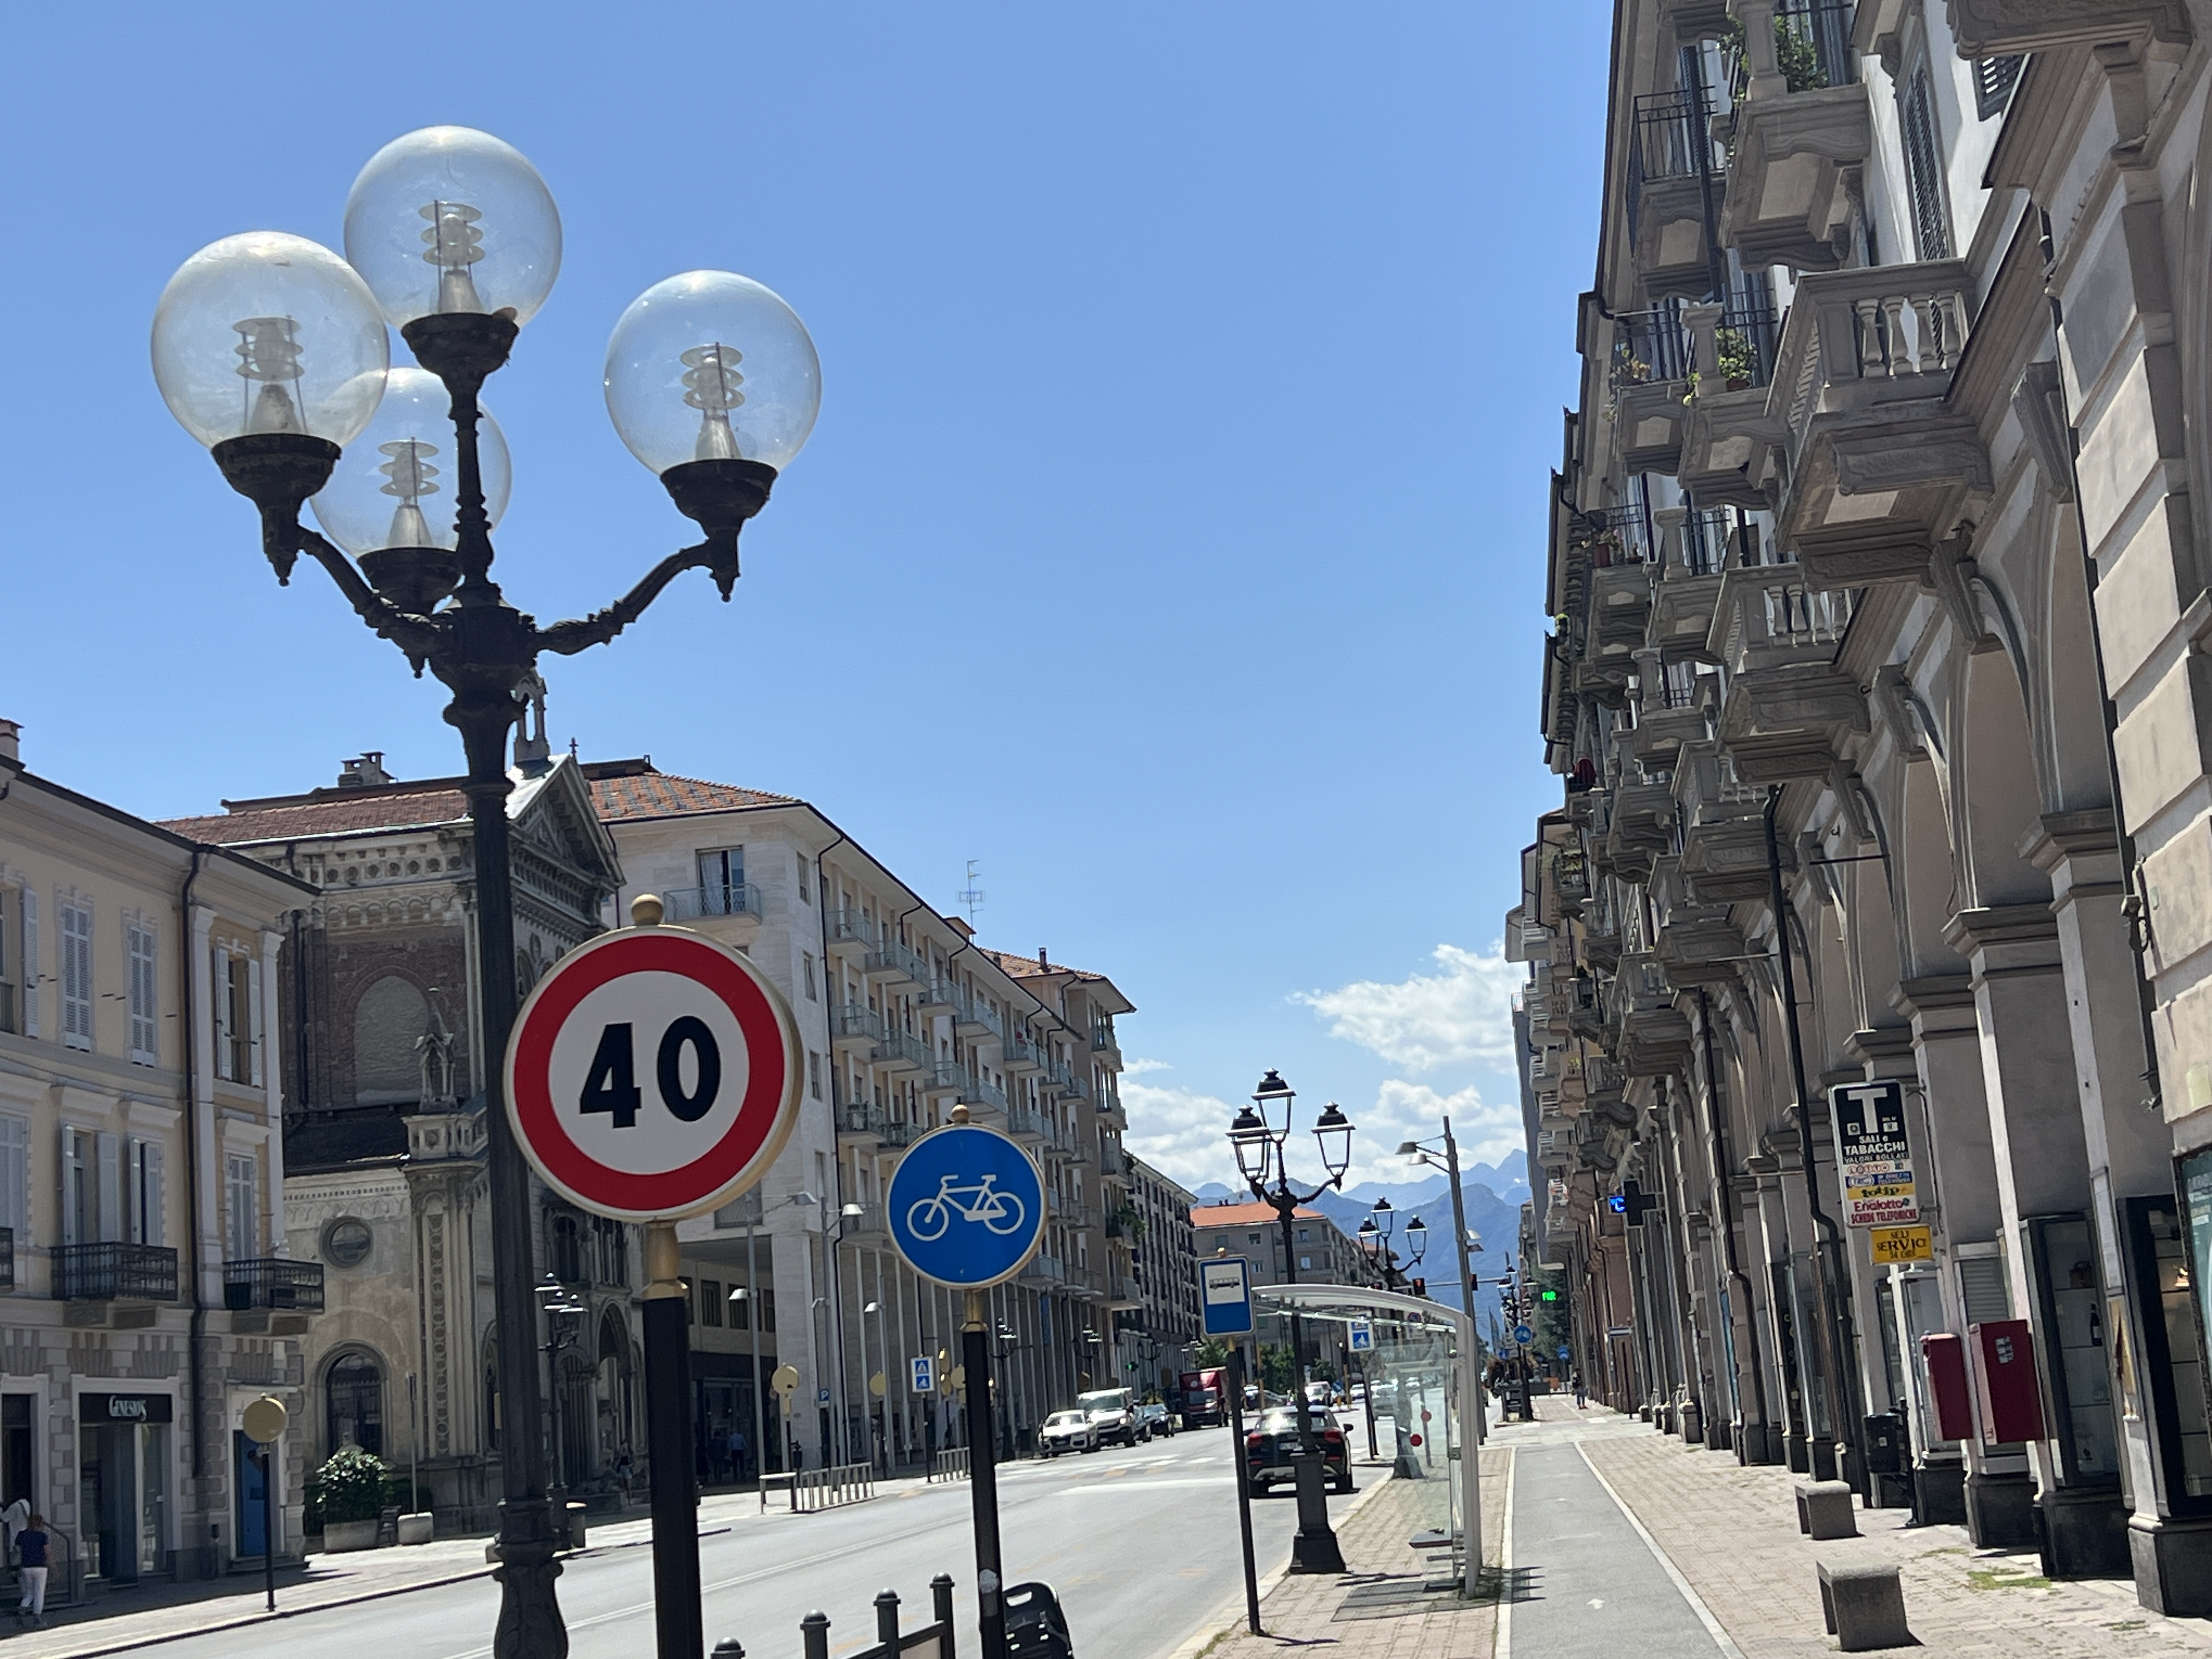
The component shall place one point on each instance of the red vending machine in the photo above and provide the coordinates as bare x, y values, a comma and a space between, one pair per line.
2006, 1387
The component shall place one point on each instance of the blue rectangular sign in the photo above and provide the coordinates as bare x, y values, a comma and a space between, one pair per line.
1225, 1296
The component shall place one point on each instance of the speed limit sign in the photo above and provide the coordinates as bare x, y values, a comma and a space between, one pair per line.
652, 1074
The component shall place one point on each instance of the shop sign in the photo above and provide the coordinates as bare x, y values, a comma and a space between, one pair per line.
1872, 1155
1895, 1246
124, 1408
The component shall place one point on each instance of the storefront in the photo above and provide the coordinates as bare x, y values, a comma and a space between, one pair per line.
125, 1451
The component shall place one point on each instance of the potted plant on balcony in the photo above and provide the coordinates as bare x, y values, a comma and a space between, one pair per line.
352, 1487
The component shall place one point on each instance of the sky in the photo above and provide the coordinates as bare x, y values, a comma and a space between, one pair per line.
1170, 544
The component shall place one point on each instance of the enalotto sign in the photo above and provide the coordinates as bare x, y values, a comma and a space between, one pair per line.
653, 1074
1872, 1154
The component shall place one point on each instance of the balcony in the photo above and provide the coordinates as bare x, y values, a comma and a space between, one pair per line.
869, 1223
275, 1283
1676, 178
1643, 827
1110, 1111
856, 1027
939, 994
849, 933
1023, 1124
1653, 1034
895, 965
1112, 1161
1045, 1270
114, 1271
977, 1018
1881, 464
1123, 1293
2002, 29
741, 899
945, 1077
1788, 709
1651, 364
978, 1092
1103, 1041
1723, 829
1018, 1053
857, 1124
900, 1051
1700, 945
1801, 126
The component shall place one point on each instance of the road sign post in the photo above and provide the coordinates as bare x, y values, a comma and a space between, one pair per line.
1226, 1291
966, 1208
653, 1074
925, 1374
263, 1422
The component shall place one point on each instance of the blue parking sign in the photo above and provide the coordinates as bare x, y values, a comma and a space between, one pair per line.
966, 1207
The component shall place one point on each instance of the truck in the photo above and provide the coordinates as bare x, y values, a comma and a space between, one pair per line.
1205, 1398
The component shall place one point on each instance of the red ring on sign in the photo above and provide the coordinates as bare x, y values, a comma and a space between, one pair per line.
672, 1190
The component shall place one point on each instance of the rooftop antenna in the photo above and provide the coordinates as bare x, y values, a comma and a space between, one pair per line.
972, 895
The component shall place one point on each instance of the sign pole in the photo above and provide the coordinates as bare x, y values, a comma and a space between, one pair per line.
264, 1420
1243, 1486
679, 1629
983, 1478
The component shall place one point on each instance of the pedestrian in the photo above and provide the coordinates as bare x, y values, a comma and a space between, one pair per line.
738, 1454
31, 1543
1582, 1394
622, 1471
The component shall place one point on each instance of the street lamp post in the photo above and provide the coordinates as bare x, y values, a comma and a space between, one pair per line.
563, 1314
272, 351
1460, 1238
1262, 1156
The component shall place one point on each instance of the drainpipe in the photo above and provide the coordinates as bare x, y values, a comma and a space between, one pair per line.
1723, 1183
1827, 1252
195, 1369
834, 1324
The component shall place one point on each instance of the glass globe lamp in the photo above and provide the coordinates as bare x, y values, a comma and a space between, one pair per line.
714, 383
390, 500
448, 220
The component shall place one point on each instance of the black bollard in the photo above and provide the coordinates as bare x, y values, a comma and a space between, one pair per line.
940, 1608
887, 1607
729, 1648
814, 1634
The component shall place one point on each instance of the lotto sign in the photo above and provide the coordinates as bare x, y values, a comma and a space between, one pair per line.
652, 1074
1872, 1154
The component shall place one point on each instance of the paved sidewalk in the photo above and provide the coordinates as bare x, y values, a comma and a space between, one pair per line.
1316, 1611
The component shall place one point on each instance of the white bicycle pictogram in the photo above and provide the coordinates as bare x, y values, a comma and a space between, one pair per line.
999, 1212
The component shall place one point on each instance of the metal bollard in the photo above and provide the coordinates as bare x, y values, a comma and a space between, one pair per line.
940, 1605
887, 1607
814, 1634
729, 1648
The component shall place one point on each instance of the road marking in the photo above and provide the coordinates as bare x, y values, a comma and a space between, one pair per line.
1696, 1605
1142, 1484
1505, 1643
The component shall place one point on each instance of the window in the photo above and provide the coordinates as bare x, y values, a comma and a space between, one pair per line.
146, 1222
92, 1186
355, 1389
740, 1308
564, 1244
609, 1251
710, 1303
29, 901
145, 1033
15, 1176
9, 965
805, 893
1305, 1263
806, 973
767, 1311
241, 1236
1924, 169
722, 881
76, 975
814, 1074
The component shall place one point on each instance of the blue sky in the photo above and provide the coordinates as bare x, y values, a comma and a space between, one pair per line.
1170, 543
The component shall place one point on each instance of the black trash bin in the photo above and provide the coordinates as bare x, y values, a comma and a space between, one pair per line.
1885, 1443
1036, 1627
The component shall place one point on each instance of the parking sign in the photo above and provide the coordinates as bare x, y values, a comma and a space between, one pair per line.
1225, 1289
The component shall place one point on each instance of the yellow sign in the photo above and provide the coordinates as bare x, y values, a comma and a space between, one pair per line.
1901, 1245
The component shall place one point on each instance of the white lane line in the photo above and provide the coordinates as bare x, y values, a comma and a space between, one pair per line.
1140, 1485
1696, 1605
1504, 1644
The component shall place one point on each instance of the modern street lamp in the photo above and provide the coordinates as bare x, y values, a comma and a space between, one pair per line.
879, 1411
271, 350
1261, 1145
1420, 1153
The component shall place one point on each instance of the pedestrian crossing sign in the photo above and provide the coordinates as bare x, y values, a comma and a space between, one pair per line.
1362, 1336
925, 1374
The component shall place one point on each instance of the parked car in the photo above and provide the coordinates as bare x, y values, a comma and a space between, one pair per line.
1155, 1418
1113, 1412
1066, 1432
1269, 1443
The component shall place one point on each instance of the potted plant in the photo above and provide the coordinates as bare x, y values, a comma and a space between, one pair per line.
352, 1488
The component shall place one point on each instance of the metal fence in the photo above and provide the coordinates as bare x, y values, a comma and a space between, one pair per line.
932, 1641
825, 1489
949, 1465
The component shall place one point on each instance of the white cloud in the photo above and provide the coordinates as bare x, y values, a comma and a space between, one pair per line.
1407, 1111
1463, 1015
1139, 1068
1179, 1133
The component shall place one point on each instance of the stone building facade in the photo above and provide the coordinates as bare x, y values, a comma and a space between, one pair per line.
151, 1293
1875, 685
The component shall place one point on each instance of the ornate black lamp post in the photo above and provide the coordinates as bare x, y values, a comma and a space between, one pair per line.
1375, 1238
272, 351
1261, 1154
563, 1318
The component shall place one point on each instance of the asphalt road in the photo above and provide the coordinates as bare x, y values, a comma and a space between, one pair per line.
1141, 1544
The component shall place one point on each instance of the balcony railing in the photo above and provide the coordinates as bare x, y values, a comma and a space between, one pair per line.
730, 899
273, 1282
1718, 536
1673, 140
7, 1258
1018, 1050
1651, 346
979, 1092
1813, 43
901, 1050
975, 1010
1045, 1270
103, 1272
850, 928
894, 961
945, 1077
854, 1020
870, 1220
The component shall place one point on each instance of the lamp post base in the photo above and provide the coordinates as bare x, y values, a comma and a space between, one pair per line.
1314, 1549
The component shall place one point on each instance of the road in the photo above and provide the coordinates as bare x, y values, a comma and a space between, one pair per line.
1141, 1543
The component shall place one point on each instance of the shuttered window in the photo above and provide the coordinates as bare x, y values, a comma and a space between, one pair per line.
145, 1032
15, 1176
76, 976
31, 998
149, 1204
1924, 169
241, 1238
1994, 79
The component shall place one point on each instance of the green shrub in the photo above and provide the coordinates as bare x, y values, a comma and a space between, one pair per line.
352, 1485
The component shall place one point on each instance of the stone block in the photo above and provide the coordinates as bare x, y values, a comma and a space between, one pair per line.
417, 1528
1825, 1510
1863, 1604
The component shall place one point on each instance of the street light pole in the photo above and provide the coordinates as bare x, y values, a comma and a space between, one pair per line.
272, 351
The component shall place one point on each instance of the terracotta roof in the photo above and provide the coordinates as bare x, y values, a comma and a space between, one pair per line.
329, 812
1016, 967
633, 789
1245, 1215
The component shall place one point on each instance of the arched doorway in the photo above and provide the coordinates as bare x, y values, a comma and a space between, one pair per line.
353, 1403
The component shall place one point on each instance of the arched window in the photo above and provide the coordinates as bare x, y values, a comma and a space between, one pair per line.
353, 1393
389, 1020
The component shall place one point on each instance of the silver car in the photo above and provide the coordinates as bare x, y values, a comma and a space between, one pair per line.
1066, 1432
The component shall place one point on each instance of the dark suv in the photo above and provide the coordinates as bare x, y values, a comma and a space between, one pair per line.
1270, 1442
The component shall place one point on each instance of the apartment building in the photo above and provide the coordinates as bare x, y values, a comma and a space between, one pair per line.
151, 1293
1874, 691
1158, 1337
385, 1158
903, 1016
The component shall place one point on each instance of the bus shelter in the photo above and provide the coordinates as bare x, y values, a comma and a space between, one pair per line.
1426, 1351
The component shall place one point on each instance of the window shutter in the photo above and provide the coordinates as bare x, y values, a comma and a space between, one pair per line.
109, 1226
16, 1176
72, 1184
145, 1027
30, 962
153, 1216
253, 1013
219, 985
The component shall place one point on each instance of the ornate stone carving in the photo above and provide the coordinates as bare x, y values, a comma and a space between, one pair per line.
1999, 28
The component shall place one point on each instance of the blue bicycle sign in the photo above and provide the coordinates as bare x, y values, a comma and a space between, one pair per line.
966, 1207
1002, 1213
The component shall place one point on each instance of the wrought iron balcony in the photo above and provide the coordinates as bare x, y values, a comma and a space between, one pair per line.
111, 1272
273, 1282
730, 899
1675, 177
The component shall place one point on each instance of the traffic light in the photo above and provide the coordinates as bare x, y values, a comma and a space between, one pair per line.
1551, 1296
1420, 1287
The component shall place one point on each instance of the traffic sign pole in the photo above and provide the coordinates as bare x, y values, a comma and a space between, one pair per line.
983, 1478
1243, 1485
679, 1629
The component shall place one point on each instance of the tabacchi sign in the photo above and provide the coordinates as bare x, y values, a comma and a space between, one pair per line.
1872, 1155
